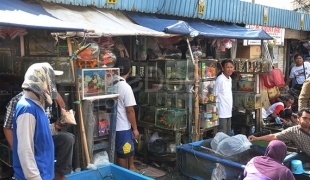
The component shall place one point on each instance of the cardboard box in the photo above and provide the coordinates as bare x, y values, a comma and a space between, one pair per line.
248, 51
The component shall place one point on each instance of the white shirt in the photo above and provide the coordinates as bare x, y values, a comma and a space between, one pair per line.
298, 72
223, 94
125, 99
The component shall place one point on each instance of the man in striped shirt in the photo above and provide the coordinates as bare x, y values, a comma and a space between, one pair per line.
298, 134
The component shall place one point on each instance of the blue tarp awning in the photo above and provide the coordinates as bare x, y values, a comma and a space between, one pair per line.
31, 15
210, 29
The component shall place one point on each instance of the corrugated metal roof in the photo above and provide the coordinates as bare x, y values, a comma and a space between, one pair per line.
235, 11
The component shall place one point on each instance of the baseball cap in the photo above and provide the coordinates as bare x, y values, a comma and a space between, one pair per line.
58, 73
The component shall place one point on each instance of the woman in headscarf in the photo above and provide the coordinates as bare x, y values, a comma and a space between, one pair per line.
269, 166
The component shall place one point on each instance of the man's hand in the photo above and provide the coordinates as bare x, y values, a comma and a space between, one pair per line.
136, 134
252, 138
57, 126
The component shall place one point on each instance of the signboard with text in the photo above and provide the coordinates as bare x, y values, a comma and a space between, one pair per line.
277, 33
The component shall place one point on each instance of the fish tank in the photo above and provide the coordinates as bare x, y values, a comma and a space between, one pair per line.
152, 98
101, 123
209, 111
236, 64
161, 98
134, 69
253, 101
266, 65
138, 69
143, 97
242, 65
65, 65
205, 94
246, 86
239, 100
250, 66
161, 69
151, 70
185, 69
171, 100
175, 69
147, 113
171, 118
182, 100
174, 87
170, 69
207, 69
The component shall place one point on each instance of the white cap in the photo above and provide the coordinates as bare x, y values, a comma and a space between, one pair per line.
58, 73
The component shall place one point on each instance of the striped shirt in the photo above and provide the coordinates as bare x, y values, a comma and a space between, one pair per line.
10, 110
296, 135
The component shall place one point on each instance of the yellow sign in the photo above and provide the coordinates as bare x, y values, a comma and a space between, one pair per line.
201, 9
112, 1
265, 15
302, 19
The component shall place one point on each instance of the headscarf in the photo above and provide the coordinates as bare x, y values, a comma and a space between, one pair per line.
270, 165
40, 79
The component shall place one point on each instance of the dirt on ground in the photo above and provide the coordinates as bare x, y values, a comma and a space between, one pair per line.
160, 170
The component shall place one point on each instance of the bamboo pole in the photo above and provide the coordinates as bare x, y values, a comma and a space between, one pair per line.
82, 128
196, 125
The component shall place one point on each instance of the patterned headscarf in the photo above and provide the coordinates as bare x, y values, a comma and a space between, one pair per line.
40, 78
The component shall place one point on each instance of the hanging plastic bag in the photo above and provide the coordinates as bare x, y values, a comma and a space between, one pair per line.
217, 139
234, 145
219, 172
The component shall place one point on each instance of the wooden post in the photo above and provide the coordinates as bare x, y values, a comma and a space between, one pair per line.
196, 127
82, 128
196, 136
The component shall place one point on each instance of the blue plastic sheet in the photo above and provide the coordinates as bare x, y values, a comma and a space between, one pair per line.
210, 29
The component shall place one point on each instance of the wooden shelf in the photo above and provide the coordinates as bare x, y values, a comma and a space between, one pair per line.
208, 129
101, 138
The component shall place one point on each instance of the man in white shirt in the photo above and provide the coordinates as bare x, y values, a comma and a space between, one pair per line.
126, 125
223, 94
300, 72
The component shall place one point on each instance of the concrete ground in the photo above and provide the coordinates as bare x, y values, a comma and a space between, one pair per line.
160, 171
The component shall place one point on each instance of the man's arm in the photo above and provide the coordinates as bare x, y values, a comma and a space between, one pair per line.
9, 136
132, 119
288, 81
267, 138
